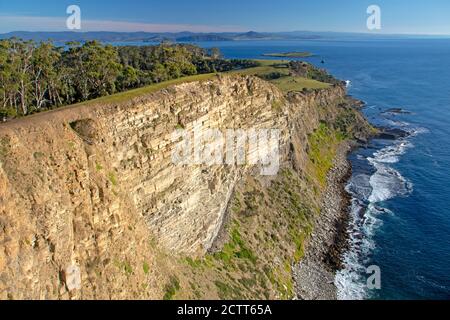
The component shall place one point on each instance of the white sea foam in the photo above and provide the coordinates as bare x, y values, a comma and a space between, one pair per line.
360, 157
418, 130
368, 194
391, 154
359, 186
351, 281
397, 123
387, 182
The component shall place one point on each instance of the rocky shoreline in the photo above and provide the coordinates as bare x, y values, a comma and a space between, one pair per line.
314, 275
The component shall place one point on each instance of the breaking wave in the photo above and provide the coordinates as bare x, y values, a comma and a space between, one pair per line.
369, 192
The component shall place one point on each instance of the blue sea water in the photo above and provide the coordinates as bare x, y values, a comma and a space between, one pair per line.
401, 189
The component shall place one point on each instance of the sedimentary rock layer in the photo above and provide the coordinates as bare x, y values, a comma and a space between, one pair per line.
84, 185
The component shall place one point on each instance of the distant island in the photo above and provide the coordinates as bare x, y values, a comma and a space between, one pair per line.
289, 55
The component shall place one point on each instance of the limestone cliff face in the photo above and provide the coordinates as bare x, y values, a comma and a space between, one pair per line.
86, 191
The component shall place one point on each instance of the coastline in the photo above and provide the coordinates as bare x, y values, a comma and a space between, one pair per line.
314, 275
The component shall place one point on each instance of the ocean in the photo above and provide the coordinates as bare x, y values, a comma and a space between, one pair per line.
400, 214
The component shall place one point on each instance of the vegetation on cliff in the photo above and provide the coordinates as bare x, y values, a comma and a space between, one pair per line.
269, 224
264, 238
102, 185
322, 148
40, 76
286, 75
307, 70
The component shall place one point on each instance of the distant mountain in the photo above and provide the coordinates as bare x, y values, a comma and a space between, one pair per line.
186, 36
252, 35
203, 37
66, 36
80, 36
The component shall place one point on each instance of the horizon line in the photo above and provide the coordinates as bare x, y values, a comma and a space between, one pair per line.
57, 24
237, 32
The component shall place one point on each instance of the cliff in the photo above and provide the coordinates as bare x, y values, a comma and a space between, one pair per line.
93, 206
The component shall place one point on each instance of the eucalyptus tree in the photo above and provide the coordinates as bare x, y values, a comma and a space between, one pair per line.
22, 55
44, 74
92, 69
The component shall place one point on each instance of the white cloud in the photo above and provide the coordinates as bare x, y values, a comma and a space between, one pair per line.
33, 23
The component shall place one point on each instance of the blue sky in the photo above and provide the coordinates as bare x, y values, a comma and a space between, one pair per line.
398, 16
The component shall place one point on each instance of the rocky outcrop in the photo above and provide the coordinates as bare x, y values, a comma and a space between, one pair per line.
86, 191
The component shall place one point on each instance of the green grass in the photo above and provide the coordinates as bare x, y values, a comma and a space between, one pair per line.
127, 268
235, 249
284, 81
113, 179
227, 291
127, 95
299, 240
179, 126
98, 166
322, 150
265, 67
194, 263
171, 288
287, 84
277, 106
146, 268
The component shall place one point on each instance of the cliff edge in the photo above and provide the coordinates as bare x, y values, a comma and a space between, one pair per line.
92, 205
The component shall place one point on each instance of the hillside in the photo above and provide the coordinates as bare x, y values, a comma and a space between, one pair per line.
92, 205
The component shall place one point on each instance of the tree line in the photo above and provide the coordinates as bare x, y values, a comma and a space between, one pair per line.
41, 76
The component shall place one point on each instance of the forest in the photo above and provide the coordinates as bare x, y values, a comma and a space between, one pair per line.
38, 76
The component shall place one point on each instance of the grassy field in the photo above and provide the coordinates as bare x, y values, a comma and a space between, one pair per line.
127, 95
267, 67
285, 81
287, 84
